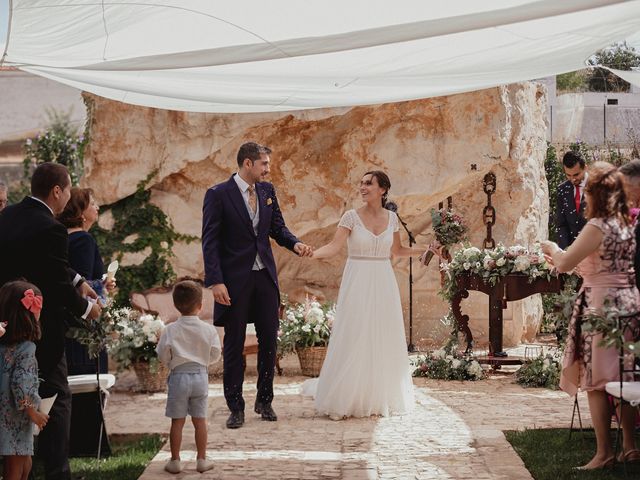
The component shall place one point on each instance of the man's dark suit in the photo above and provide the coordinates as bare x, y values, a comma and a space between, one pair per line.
33, 245
568, 222
229, 246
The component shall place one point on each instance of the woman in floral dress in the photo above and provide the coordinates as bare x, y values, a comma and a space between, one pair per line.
603, 254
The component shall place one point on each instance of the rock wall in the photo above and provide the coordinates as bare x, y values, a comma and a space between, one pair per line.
430, 148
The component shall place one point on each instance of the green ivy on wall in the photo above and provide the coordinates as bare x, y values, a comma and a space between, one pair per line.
139, 226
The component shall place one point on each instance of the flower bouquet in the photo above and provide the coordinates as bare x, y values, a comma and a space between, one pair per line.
449, 229
543, 371
135, 337
493, 264
443, 365
305, 329
134, 342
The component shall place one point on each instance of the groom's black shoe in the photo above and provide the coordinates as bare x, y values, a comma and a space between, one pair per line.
266, 411
235, 420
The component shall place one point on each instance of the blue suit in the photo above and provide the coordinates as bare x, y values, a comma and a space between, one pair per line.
229, 246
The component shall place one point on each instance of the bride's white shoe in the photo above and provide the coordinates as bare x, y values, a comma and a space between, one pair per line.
336, 418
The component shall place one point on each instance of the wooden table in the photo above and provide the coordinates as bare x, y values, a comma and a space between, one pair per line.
507, 289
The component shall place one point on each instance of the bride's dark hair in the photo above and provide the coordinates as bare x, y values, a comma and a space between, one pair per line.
383, 182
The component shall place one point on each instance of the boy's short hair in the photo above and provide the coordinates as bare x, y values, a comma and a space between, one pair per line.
187, 295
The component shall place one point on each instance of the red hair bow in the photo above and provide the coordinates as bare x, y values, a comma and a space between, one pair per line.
32, 302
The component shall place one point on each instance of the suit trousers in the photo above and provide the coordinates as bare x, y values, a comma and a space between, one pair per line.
258, 303
53, 441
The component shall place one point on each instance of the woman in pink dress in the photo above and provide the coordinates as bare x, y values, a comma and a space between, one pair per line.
604, 253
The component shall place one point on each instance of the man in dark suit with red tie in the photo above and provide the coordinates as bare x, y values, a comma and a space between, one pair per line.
570, 202
239, 218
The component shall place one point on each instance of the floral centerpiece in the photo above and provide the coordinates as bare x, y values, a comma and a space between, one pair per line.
305, 328
449, 229
448, 365
542, 371
493, 264
136, 336
130, 337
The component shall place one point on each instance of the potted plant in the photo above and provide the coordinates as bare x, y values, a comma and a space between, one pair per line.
305, 329
135, 337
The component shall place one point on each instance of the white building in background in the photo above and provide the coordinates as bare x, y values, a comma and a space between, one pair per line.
25, 100
596, 118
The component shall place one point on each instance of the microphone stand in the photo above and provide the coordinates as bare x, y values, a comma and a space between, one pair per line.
412, 241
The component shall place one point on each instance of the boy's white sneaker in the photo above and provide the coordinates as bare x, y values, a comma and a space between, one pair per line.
204, 465
173, 466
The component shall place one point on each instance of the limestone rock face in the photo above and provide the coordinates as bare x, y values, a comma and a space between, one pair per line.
430, 148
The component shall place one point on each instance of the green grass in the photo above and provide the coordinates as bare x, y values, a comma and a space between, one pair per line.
549, 454
130, 456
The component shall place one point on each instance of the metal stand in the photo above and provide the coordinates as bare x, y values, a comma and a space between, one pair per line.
412, 241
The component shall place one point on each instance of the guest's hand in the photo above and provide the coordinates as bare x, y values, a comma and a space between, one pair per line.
110, 284
2, 329
87, 291
221, 294
303, 250
39, 418
96, 310
549, 248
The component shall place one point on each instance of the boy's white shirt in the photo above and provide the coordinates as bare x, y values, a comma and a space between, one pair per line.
189, 339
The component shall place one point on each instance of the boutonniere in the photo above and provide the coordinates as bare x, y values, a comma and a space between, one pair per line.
269, 201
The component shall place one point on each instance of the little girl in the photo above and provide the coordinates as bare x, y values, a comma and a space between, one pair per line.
20, 305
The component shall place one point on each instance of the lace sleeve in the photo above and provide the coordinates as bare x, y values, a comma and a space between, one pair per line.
347, 220
394, 222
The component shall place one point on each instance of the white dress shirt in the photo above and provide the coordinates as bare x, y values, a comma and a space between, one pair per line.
189, 339
258, 264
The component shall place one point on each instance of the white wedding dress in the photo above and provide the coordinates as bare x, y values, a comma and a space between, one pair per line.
366, 370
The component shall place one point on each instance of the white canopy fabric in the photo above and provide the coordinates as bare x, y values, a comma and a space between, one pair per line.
279, 55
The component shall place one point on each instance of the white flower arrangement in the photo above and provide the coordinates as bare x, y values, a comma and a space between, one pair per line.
305, 325
134, 337
442, 365
493, 264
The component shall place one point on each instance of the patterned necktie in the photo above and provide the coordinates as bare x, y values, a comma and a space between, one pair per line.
578, 199
253, 200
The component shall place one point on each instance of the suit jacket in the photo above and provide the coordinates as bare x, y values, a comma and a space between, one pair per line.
569, 222
33, 245
229, 243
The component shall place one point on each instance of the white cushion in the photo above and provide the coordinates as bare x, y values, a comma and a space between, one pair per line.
630, 391
88, 383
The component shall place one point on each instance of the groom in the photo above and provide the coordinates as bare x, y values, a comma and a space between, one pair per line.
239, 216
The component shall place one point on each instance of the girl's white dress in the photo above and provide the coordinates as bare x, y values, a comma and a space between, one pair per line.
366, 370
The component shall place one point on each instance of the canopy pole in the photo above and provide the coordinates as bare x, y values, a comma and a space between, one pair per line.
6, 44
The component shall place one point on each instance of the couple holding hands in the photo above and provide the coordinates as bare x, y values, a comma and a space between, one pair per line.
366, 371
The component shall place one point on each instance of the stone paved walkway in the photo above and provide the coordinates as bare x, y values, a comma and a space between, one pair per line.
455, 432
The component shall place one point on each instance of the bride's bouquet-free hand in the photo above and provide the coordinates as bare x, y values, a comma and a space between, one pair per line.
449, 229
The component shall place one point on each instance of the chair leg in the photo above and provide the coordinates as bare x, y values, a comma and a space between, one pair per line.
576, 408
278, 367
244, 363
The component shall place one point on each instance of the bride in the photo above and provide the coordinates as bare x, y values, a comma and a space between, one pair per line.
366, 370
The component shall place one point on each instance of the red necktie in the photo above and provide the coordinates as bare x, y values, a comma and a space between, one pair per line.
578, 199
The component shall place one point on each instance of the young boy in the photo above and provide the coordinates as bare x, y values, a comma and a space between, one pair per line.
188, 346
